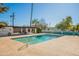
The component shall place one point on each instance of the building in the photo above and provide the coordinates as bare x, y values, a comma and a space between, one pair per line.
22, 29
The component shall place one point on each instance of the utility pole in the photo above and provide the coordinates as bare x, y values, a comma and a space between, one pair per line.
13, 18
31, 14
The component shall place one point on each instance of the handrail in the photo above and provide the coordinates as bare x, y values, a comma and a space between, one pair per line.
26, 45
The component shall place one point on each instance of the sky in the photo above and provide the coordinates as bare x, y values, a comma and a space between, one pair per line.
52, 13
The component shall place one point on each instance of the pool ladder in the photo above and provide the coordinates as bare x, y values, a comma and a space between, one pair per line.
24, 46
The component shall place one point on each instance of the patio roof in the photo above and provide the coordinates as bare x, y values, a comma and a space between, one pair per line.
22, 26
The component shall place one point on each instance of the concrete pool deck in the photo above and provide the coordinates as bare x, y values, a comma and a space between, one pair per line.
62, 46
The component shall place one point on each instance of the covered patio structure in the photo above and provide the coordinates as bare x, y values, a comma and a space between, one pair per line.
23, 29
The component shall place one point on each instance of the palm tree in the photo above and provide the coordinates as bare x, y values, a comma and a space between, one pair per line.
3, 24
31, 14
35, 22
3, 8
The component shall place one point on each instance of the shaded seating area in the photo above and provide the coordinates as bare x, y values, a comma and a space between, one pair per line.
22, 29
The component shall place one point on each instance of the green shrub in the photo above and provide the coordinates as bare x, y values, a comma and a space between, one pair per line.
39, 30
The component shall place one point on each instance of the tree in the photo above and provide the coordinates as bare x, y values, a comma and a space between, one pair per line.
3, 24
35, 22
65, 24
31, 16
68, 19
3, 8
39, 23
77, 27
73, 28
60, 26
43, 24
68, 23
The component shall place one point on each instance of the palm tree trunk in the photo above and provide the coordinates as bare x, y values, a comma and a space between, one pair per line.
31, 14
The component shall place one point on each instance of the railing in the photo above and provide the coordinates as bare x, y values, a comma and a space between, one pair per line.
67, 33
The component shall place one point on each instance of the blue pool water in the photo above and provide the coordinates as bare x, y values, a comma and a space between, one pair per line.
36, 39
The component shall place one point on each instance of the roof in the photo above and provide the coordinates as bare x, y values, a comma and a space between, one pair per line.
22, 26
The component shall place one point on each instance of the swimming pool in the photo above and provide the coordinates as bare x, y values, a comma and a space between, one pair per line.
36, 39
